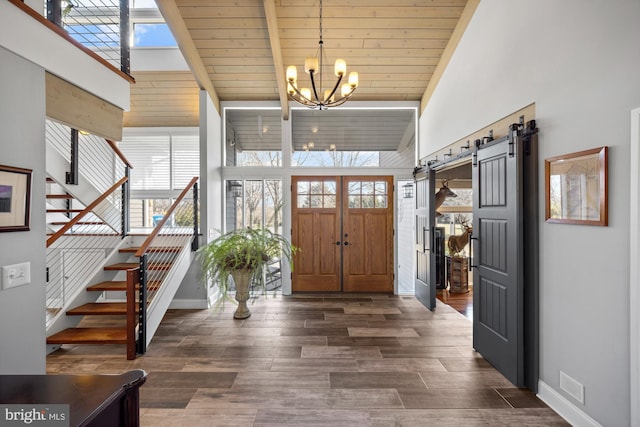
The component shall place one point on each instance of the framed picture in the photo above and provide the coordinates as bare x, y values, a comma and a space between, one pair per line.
576, 188
15, 198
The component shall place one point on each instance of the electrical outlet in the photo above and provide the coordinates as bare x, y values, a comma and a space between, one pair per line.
16, 275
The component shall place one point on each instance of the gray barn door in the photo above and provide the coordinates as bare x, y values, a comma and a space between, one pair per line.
425, 286
498, 326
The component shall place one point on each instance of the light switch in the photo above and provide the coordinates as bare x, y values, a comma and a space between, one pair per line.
16, 275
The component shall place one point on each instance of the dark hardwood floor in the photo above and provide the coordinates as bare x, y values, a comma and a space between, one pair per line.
321, 360
463, 303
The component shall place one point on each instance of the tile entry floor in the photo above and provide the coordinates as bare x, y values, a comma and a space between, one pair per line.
316, 360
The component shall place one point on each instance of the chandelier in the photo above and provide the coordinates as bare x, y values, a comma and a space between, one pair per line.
318, 97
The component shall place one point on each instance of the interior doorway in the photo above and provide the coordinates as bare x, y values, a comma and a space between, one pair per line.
343, 227
454, 217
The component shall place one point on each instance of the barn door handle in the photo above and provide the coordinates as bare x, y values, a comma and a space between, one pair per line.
471, 239
424, 239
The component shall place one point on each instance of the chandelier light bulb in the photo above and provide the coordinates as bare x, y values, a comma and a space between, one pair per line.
353, 79
311, 64
327, 93
292, 73
340, 67
306, 92
346, 90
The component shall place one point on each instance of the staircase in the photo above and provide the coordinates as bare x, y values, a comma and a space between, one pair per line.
104, 285
104, 321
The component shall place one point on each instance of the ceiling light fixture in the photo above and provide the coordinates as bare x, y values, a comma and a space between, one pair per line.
318, 97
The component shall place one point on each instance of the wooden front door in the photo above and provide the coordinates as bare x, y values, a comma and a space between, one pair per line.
316, 230
367, 219
344, 229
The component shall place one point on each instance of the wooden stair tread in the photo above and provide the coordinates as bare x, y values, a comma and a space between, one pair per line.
100, 309
59, 196
133, 249
89, 336
64, 210
130, 265
119, 286
78, 223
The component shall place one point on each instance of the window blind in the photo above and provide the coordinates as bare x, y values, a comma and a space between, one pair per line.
186, 160
150, 157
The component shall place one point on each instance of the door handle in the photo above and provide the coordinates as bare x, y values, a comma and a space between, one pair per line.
346, 243
338, 243
424, 239
471, 239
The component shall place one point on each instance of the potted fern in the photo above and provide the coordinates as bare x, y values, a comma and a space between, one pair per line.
242, 254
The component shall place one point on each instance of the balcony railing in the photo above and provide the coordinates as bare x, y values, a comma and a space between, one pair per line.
100, 25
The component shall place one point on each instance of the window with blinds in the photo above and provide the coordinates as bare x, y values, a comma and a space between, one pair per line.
163, 165
162, 162
185, 160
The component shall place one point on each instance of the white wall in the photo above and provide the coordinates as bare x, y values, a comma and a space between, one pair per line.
211, 147
405, 209
580, 63
22, 109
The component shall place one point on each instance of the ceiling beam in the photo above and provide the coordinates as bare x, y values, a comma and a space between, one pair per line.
458, 31
274, 40
178, 28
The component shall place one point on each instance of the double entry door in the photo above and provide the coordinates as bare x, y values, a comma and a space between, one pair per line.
343, 227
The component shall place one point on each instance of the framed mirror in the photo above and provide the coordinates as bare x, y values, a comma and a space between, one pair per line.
576, 188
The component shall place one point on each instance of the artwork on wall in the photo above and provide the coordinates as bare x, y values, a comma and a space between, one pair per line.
576, 188
15, 198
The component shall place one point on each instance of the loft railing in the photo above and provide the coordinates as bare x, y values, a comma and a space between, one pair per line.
178, 228
100, 25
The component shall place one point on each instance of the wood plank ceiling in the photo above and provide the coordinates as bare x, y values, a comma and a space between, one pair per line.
394, 45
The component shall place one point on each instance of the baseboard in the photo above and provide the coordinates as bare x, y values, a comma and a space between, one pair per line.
567, 410
189, 304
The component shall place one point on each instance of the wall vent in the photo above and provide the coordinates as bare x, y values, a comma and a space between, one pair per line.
572, 387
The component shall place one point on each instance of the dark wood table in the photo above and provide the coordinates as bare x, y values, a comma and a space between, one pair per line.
94, 400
